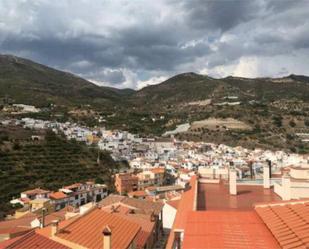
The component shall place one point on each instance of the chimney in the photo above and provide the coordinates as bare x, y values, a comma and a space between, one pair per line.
54, 227
107, 238
270, 166
251, 169
152, 217
266, 176
232, 182
286, 187
43, 217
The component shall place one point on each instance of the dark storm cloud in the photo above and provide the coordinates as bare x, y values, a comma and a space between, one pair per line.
125, 43
159, 49
220, 15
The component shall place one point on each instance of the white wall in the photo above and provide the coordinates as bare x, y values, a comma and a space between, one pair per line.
169, 214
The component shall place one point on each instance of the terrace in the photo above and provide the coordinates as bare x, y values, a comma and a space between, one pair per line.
216, 196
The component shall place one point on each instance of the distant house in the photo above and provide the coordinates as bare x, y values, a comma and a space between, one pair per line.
36, 193
59, 199
81, 193
127, 182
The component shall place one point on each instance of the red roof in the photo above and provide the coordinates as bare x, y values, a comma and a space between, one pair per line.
74, 185
186, 204
158, 170
87, 230
288, 222
17, 226
144, 220
173, 203
216, 197
57, 195
139, 193
32, 240
22, 225
147, 227
227, 229
36, 191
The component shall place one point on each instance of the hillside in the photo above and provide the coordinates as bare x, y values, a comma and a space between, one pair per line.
28, 82
274, 109
51, 163
188, 87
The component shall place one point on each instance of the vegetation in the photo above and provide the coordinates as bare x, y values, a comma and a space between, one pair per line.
275, 108
49, 164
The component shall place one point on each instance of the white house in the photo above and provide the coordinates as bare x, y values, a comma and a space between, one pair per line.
169, 212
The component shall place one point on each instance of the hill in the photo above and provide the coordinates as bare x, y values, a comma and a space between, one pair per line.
274, 109
188, 87
51, 163
28, 82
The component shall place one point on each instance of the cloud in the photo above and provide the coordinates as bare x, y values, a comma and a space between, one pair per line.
133, 43
220, 15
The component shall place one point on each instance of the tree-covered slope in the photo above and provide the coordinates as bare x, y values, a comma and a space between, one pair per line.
49, 164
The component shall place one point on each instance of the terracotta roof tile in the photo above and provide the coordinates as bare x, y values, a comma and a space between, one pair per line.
87, 230
227, 229
147, 227
146, 206
111, 199
139, 193
186, 204
22, 224
36, 191
32, 240
57, 195
288, 222
158, 170
75, 185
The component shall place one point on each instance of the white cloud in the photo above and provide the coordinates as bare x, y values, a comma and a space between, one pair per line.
151, 81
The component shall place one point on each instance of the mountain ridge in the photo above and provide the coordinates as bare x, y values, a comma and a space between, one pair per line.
19, 76
276, 109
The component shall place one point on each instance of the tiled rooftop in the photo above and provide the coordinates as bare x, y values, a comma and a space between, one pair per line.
17, 225
227, 229
173, 203
147, 227
31, 240
36, 191
145, 206
186, 204
217, 197
57, 195
87, 230
111, 199
23, 224
288, 222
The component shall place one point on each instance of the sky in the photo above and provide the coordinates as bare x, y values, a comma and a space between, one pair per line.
134, 43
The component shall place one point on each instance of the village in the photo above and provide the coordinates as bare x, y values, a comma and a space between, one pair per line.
167, 180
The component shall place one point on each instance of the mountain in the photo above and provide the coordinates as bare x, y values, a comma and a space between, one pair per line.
31, 83
274, 109
189, 87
